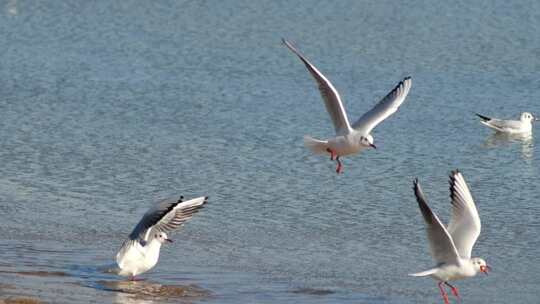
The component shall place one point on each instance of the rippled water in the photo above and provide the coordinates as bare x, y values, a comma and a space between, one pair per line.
107, 107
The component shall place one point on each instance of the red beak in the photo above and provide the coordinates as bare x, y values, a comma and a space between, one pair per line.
485, 269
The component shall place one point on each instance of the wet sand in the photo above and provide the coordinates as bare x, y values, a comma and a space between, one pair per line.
37, 273
121, 291
20, 300
145, 288
15, 299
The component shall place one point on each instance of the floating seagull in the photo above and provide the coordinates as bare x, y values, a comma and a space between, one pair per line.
451, 247
521, 126
140, 252
350, 139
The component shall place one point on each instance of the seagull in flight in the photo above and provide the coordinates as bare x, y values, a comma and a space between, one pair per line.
349, 139
451, 247
140, 252
521, 126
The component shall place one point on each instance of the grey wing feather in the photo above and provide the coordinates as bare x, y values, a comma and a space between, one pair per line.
330, 95
152, 216
465, 223
502, 125
180, 214
166, 215
386, 107
441, 245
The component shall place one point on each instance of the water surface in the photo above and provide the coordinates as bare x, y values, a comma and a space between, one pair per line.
107, 107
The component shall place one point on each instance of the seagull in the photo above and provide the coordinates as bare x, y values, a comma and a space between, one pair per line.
140, 252
451, 247
521, 126
349, 139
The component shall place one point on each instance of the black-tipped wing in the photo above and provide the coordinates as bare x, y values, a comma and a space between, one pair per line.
166, 216
386, 107
484, 118
502, 125
330, 95
464, 224
442, 247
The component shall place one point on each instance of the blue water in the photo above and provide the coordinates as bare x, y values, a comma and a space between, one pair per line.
108, 106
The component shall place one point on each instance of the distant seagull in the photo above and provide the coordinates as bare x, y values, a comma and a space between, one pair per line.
349, 139
451, 247
521, 126
140, 252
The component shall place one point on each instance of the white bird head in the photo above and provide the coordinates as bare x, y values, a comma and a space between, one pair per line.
162, 237
526, 116
480, 265
367, 141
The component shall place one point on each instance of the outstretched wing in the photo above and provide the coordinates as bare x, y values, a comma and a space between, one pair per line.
464, 224
166, 216
442, 247
386, 107
330, 95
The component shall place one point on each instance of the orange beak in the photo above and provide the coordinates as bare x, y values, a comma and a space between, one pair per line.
485, 269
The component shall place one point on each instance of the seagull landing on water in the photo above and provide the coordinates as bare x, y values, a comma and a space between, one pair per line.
140, 252
350, 139
521, 126
451, 247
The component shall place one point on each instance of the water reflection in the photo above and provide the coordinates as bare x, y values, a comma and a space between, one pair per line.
125, 298
142, 292
11, 7
501, 139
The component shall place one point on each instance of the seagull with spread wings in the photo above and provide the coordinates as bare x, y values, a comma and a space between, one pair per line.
451, 246
349, 139
140, 252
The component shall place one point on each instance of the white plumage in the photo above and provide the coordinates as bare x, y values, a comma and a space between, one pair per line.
451, 247
521, 126
140, 252
349, 139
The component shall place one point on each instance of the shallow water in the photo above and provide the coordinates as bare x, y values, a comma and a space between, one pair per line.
107, 107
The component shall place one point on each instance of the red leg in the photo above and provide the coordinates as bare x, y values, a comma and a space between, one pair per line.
443, 293
339, 167
332, 153
455, 291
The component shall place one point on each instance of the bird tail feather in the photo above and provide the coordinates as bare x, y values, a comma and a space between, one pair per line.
424, 273
315, 145
489, 125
